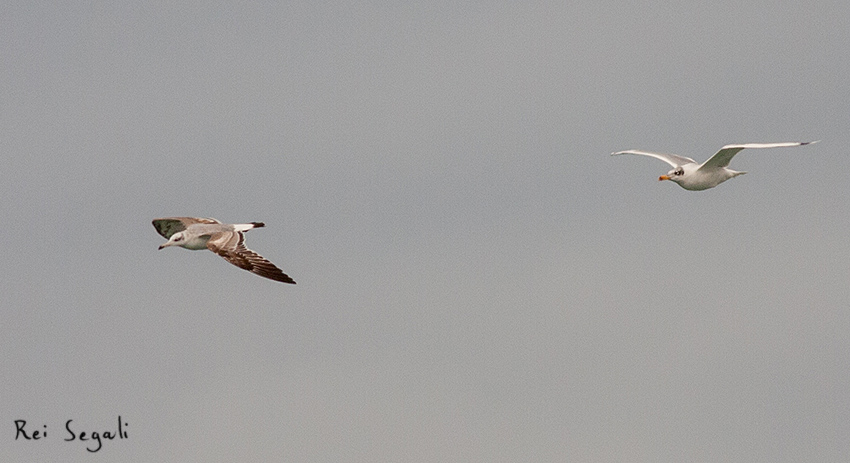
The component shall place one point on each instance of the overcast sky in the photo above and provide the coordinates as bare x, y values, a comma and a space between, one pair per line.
478, 280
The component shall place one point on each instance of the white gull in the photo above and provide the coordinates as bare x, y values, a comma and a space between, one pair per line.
692, 176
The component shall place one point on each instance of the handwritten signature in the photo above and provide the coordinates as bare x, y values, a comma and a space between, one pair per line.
83, 436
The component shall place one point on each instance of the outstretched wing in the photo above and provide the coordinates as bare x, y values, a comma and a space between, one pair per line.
725, 155
171, 225
672, 159
231, 246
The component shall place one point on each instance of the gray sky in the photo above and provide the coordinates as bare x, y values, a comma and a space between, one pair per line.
477, 279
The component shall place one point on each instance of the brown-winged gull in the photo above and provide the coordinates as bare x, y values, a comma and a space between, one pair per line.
226, 240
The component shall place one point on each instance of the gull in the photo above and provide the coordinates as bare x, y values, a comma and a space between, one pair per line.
692, 176
224, 239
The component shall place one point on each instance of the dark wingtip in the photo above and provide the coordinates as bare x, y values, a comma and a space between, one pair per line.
284, 278
258, 224
281, 277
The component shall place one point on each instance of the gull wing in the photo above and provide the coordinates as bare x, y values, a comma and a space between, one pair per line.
672, 159
231, 246
725, 155
171, 225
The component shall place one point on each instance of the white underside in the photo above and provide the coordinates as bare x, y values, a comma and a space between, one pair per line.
703, 180
197, 243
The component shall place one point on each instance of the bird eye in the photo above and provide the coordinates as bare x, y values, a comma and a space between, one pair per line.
178, 238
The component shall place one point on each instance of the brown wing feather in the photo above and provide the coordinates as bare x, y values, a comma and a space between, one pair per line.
231, 246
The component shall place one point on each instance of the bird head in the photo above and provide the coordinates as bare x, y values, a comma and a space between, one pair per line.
673, 175
175, 240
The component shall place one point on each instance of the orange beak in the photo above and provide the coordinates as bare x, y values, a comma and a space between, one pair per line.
663, 177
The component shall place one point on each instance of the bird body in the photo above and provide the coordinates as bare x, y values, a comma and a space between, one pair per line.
226, 240
695, 177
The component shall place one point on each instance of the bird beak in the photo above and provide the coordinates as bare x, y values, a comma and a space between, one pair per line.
663, 177
161, 246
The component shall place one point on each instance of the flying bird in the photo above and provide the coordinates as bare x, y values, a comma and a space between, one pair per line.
692, 176
226, 240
